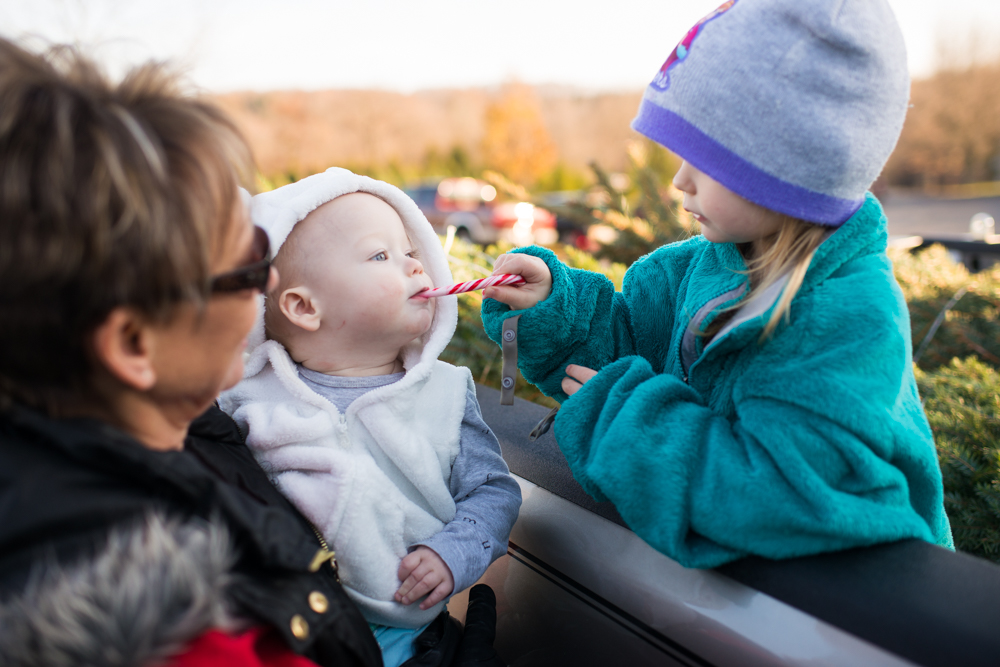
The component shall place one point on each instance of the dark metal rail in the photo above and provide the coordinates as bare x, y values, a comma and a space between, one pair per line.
921, 602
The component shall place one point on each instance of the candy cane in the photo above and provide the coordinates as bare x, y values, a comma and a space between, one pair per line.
482, 283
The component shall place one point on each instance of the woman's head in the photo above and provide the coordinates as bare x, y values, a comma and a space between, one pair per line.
117, 202
794, 105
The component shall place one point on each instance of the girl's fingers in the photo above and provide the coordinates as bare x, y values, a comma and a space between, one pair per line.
570, 386
537, 278
580, 373
518, 298
529, 267
576, 377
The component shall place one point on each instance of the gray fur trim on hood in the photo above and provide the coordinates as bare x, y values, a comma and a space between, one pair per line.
154, 587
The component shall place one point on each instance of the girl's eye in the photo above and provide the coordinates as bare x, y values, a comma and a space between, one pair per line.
381, 257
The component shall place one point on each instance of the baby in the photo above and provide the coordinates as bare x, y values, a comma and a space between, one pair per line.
347, 407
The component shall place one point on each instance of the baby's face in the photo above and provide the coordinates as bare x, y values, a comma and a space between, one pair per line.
365, 273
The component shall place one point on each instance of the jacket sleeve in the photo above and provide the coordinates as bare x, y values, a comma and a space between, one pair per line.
781, 480
583, 321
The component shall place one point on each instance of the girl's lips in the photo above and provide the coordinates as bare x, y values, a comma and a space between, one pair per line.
422, 290
697, 216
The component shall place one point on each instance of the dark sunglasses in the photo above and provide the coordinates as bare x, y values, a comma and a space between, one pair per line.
251, 276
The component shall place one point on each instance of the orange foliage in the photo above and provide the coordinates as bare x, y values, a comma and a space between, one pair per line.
515, 141
295, 132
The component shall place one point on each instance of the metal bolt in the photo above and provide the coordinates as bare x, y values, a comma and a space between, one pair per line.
509, 335
508, 382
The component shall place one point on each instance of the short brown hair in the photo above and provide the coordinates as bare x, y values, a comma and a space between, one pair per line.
111, 194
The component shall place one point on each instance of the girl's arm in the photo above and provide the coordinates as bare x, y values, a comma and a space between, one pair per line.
781, 480
579, 320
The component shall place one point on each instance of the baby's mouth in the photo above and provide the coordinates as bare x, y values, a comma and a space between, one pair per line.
419, 293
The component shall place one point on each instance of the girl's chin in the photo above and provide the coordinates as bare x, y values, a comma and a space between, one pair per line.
714, 235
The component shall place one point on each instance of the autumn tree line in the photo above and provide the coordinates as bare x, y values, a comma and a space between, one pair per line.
546, 137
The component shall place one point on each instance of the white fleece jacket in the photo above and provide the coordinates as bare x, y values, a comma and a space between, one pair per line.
375, 479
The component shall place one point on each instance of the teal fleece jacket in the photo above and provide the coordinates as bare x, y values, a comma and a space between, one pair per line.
812, 441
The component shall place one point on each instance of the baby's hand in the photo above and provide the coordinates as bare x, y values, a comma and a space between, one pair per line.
422, 572
537, 278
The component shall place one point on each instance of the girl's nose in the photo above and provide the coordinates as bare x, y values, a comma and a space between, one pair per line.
682, 179
416, 268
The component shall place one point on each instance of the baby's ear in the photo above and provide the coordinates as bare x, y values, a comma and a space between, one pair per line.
300, 308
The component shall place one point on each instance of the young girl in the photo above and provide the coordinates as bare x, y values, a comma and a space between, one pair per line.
750, 391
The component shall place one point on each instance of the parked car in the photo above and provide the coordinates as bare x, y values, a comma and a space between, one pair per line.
470, 206
577, 587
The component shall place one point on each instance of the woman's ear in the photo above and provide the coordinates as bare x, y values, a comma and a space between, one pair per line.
123, 344
300, 307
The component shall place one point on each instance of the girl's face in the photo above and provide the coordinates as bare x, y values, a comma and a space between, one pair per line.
725, 217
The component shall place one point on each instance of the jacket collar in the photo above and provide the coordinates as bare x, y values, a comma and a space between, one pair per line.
863, 234
177, 480
719, 280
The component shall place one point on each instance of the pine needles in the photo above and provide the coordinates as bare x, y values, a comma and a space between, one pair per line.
962, 401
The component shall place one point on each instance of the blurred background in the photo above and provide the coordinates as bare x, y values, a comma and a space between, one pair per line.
508, 123
534, 90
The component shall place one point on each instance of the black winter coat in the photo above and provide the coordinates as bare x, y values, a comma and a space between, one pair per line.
65, 485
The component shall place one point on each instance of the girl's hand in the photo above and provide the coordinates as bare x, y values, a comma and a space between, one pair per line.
423, 572
576, 377
537, 278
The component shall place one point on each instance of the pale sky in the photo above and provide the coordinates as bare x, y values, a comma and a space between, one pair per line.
409, 45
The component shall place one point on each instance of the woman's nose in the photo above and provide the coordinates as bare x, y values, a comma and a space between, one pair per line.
272, 280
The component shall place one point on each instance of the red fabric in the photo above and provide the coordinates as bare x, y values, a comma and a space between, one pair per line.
257, 647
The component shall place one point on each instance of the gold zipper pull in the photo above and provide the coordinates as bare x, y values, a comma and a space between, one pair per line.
322, 556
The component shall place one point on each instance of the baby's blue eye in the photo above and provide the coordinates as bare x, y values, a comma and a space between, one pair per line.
381, 257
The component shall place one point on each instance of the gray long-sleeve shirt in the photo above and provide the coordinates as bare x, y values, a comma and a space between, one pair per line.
487, 498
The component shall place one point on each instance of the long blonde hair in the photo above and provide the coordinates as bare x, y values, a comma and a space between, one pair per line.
788, 251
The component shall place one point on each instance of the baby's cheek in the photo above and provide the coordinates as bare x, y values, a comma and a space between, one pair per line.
422, 322
390, 293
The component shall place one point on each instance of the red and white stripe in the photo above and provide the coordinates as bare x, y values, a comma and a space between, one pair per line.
472, 285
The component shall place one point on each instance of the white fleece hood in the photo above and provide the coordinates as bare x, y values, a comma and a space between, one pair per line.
375, 479
278, 211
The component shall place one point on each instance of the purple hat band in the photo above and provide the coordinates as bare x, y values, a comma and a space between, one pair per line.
745, 179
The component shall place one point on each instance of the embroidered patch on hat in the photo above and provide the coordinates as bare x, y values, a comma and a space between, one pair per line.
662, 79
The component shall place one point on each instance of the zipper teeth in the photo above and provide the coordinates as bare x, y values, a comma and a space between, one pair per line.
687, 372
319, 536
326, 548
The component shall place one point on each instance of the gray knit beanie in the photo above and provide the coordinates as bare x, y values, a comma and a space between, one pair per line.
794, 105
